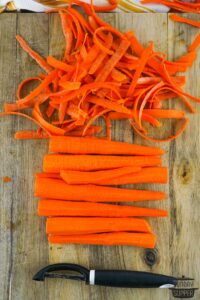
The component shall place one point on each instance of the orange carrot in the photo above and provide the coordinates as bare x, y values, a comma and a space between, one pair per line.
58, 189
87, 146
146, 175
180, 19
77, 225
41, 61
145, 240
57, 208
54, 163
79, 177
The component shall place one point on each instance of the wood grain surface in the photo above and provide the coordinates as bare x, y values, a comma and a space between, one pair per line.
23, 245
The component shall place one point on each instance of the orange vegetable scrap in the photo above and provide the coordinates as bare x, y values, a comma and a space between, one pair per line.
107, 74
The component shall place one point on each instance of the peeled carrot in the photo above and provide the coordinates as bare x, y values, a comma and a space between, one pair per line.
79, 177
145, 240
76, 225
88, 146
55, 162
57, 208
58, 189
146, 175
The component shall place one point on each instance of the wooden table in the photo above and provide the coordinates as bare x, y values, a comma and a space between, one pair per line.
23, 244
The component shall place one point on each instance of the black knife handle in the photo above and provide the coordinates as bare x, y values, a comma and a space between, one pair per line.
130, 279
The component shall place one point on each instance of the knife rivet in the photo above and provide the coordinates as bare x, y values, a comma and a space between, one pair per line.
150, 256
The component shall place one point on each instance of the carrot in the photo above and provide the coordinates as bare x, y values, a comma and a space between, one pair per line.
41, 61
79, 177
55, 163
77, 225
57, 208
88, 146
180, 19
145, 240
30, 134
54, 189
146, 175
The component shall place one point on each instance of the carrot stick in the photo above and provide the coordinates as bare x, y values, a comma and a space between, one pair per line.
77, 225
88, 146
145, 240
40, 60
54, 163
57, 208
58, 189
180, 19
146, 175
79, 177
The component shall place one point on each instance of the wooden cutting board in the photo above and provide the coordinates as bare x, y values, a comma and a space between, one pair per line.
23, 244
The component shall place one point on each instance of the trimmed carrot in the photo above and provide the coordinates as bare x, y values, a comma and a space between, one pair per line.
145, 240
88, 146
79, 177
180, 19
54, 189
30, 134
54, 163
57, 208
76, 225
145, 175
40, 60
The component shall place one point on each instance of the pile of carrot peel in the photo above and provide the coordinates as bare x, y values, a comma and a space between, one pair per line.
78, 192
104, 73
